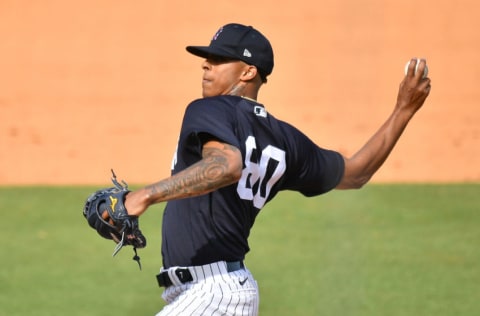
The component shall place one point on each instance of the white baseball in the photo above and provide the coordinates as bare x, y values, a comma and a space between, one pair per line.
425, 71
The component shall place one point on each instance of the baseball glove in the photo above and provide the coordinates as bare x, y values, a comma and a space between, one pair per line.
106, 213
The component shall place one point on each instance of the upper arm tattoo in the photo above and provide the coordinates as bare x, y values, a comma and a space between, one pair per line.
208, 174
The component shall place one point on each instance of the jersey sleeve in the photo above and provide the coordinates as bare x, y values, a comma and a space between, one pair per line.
314, 170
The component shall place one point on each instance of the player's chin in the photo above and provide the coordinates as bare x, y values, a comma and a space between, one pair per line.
207, 93
208, 89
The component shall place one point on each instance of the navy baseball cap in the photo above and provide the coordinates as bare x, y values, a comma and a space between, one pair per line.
239, 42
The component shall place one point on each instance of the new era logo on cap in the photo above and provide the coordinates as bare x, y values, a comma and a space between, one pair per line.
247, 53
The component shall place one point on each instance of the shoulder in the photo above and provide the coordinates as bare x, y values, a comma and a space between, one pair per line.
212, 112
213, 108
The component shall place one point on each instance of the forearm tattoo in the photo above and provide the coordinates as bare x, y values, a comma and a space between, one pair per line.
210, 173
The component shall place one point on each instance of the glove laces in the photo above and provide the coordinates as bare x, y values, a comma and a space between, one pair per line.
120, 245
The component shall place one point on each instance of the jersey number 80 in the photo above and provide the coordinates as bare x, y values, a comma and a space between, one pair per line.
259, 177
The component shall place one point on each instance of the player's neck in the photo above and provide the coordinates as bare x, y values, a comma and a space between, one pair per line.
250, 99
246, 89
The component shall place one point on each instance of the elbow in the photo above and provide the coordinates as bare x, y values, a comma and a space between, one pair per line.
236, 166
349, 183
355, 175
359, 183
232, 171
236, 172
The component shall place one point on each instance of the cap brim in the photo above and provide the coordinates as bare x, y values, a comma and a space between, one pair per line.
205, 51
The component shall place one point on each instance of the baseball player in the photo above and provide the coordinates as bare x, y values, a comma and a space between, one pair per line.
234, 156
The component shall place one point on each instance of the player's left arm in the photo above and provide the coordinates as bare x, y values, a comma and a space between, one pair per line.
413, 91
221, 165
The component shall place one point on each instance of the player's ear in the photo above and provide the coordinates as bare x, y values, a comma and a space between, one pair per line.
249, 73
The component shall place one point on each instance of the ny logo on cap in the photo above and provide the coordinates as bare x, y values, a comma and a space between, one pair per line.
217, 34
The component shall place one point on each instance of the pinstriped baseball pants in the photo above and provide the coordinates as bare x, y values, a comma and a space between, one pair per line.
213, 291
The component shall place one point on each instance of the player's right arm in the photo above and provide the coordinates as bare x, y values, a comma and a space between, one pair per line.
220, 166
363, 164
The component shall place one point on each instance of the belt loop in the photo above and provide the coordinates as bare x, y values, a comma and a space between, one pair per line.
173, 276
235, 266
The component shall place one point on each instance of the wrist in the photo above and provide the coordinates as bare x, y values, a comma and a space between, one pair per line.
403, 115
137, 202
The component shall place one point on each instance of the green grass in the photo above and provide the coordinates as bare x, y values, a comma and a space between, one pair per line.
383, 250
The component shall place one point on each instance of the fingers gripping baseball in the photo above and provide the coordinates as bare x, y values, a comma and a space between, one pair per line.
415, 87
415, 66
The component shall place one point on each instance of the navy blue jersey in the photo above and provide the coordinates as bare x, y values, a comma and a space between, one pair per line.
276, 156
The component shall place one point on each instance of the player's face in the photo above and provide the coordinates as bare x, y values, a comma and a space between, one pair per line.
221, 76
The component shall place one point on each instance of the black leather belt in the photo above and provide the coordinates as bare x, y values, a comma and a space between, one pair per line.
184, 275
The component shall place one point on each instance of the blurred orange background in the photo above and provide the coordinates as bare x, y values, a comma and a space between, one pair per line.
86, 86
